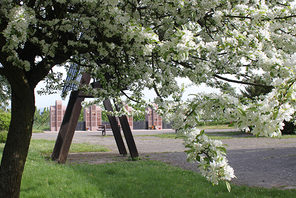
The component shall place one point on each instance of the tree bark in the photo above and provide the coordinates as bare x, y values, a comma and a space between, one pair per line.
18, 139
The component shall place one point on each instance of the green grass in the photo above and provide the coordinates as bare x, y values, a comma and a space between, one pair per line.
130, 179
229, 134
238, 134
45, 147
287, 136
215, 127
166, 135
37, 131
217, 136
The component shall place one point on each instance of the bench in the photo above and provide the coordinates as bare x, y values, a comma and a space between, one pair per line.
104, 128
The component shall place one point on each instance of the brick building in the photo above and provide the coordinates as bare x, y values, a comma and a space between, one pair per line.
153, 120
92, 117
56, 115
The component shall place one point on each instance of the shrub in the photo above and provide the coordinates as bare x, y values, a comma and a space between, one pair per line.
4, 120
289, 128
41, 119
3, 136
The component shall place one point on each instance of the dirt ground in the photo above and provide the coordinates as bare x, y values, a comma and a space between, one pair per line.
263, 162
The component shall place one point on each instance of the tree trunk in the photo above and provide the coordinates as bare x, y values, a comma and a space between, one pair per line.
18, 139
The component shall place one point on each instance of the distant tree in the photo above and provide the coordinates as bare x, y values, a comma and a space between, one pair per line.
104, 116
4, 120
253, 92
139, 117
261, 88
81, 116
42, 119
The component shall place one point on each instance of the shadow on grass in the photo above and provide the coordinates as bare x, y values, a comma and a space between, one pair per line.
129, 179
136, 179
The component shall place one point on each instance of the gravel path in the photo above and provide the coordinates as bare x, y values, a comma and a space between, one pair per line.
261, 162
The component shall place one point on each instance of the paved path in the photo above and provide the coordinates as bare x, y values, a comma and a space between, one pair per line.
262, 162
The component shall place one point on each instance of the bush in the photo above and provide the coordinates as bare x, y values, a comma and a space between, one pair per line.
4, 120
41, 119
289, 128
3, 136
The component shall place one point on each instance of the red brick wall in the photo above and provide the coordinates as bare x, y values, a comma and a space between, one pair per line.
92, 117
56, 115
99, 115
52, 119
154, 120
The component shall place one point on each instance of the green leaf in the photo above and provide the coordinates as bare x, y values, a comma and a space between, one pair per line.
222, 148
275, 113
242, 111
186, 126
202, 132
231, 124
197, 158
228, 186
252, 109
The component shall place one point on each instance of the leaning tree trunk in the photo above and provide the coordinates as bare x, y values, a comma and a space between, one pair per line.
18, 139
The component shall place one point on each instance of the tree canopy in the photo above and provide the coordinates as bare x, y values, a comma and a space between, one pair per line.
129, 45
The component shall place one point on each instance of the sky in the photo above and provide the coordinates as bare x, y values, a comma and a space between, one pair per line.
42, 101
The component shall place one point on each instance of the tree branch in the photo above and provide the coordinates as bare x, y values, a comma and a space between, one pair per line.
241, 82
129, 97
264, 19
237, 16
157, 92
285, 17
186, 65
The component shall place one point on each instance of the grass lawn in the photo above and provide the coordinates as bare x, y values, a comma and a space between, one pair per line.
215, 127
217, 136
37, 131
288, 136
130, 179
45, 147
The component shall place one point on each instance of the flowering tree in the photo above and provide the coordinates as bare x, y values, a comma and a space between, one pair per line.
129, 45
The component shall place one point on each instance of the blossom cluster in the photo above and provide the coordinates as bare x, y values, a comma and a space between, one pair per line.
211, 156
16, 34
